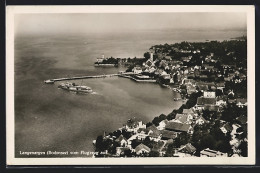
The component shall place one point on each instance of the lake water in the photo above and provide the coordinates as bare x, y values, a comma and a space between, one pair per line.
48, 118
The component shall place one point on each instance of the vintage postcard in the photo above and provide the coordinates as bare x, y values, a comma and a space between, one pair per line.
130, 85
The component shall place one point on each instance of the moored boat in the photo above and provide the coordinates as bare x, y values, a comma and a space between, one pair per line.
176, 99
49, 81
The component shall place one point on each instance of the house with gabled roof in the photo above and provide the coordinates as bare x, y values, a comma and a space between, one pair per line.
188, 81
190, 89
187, 111
226, 128
184, 118
121, 150
166, 134
188, 148
190, 112
211, 108
186, 59
141, 148
220, 85
206, 101
241, 102
231, 101
228, 79
221, 100
121, 140
153, 133
212, 153
178, 127
151, 129
202, 87
162, 124
203, 77
200, 120
202, 102
134, 124
242, 119
137, 70
208, 67
159, 146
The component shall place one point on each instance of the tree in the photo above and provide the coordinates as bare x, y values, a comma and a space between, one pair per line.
193, 99
175, 78
170, 150
135, 143
183, 139
157, 120
240, 129
126, 134
172, 115
217, 133
206, 114
224, 146
180, 110
148, 124
154, 154
146, 56
112, 148
177, 142
148, 142
162, 117
99, 143
243, 147
219, 92
103, 144
208, 141
231, 112
117, 133
129, 153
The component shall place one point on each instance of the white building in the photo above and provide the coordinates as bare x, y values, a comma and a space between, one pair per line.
100, 60
162, 125
137, 70
209, 94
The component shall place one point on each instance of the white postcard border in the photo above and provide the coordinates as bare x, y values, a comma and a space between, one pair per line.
10, 137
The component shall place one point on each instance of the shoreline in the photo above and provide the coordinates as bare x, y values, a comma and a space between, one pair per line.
105, 65
130, 77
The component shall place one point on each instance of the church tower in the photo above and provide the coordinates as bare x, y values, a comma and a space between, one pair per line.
151, 56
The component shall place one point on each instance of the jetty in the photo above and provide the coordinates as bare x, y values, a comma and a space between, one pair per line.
51, 81
124, 75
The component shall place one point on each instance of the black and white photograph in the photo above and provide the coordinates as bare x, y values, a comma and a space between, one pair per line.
130, 85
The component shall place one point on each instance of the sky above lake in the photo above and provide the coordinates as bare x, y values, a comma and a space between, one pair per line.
126, 22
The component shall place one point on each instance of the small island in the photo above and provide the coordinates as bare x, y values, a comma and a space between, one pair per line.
212, 76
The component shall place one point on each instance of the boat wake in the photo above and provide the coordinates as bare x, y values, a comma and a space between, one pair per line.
95, 93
